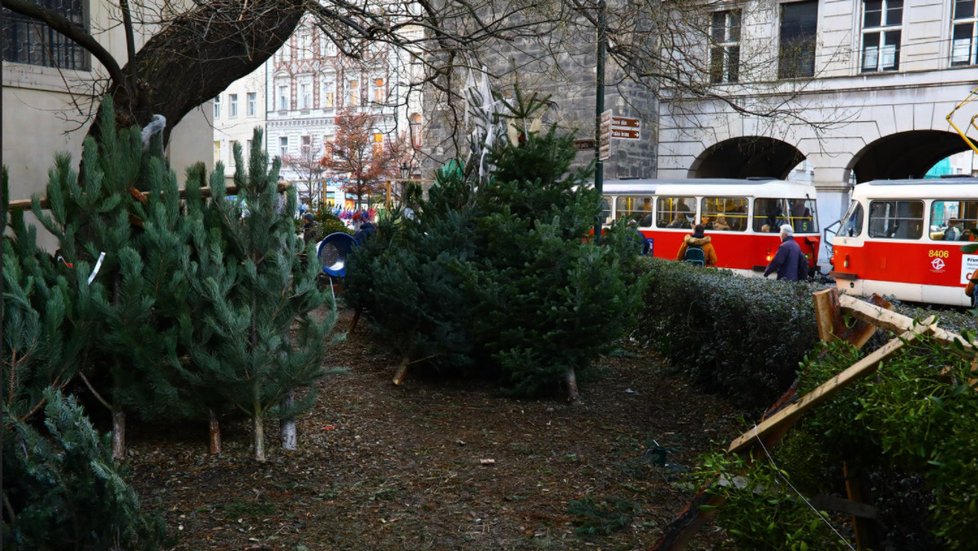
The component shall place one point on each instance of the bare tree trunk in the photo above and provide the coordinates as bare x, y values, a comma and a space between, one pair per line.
570, 378
118, 435
289, 435
258, 422
214, 429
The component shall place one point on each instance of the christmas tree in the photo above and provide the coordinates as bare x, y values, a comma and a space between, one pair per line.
260, 340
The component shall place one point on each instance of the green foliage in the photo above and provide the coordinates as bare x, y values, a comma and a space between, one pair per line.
497, 272
253, 336
711, 324
61, 489
600, 518
761, 511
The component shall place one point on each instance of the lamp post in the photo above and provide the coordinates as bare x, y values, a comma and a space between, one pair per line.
598, 109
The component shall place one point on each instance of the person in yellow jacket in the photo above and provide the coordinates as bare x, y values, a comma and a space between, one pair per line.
701, 241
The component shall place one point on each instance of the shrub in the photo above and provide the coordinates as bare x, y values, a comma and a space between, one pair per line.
62, 490
743, 336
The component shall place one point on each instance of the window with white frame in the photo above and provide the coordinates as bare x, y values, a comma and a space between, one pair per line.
796, 46
882, 21
306, 146
283, 146
217, 107
725, 46
353, 93
379, 91
247, 149
305, 94
217, 151
328, 97
283, 96
32, 42
304, 41
964, 34
252, 103
232, 105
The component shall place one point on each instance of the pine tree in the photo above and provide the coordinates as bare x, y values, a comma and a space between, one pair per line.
260, 339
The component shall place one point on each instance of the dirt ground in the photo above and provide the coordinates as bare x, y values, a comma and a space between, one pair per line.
444, 466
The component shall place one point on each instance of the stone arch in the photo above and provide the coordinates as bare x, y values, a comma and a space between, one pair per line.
746, 156
904, 154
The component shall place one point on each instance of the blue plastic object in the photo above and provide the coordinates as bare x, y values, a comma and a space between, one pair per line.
333, 251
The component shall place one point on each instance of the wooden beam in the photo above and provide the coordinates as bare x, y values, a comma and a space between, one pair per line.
205, 192
892, 321
859, 369
828, 315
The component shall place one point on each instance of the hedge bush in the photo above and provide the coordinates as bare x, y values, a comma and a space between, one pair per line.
743, 336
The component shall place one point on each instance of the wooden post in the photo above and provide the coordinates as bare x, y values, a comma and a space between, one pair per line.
828, 314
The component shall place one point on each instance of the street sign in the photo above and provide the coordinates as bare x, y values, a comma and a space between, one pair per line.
604, 144
626, 128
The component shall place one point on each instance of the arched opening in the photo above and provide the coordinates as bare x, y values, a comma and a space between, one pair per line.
905, 155
745, 157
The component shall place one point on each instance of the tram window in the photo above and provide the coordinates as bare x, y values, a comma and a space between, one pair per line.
852, 223
675, 212
606, 209
769, 215
724, 213
635, 208
801, 215
896, 219
954, 220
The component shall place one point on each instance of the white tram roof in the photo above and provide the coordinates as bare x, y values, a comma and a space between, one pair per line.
930, 188
766, 187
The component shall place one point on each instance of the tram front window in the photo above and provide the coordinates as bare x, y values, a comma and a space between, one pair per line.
852, 222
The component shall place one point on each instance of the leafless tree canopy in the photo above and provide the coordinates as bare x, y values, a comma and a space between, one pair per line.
202, 48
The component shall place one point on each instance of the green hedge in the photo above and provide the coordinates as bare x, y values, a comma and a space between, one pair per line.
743, 336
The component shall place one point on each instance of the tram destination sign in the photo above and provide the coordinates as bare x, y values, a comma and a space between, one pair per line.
626, 128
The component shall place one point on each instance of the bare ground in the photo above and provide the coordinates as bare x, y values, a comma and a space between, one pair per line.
445, 466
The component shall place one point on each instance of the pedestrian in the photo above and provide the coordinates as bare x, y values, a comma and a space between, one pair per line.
697, 248
789, 262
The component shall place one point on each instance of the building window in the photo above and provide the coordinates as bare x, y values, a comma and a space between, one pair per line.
217, 151
252, 103
306, 145
353, 91
232, 106
378, 145
283, 146
380, 93
34, 43
247, 151
283, 97
217, 107
965, 34
881, 35
329, 94
796, 51
725, 46
305, 99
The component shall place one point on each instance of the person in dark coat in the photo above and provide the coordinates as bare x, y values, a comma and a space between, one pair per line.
787, 262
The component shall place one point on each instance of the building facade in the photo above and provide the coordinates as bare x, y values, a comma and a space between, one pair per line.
47, 101
865, 89
302, 90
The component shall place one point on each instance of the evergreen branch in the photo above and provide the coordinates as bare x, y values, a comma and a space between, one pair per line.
94, 392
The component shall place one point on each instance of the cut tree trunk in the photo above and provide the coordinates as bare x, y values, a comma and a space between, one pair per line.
401, 372
289, 436
258, 422
118, 435
214, 429
570, 378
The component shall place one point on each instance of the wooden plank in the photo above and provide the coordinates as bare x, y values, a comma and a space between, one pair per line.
859, 369
892, 321
205, 192
828, 315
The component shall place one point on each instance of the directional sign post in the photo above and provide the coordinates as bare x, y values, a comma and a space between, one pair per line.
626, 128
604, 147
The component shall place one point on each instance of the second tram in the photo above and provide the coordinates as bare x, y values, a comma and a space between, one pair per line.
742, 217
903, 238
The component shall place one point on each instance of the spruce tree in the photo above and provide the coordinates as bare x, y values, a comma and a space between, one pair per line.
260, 339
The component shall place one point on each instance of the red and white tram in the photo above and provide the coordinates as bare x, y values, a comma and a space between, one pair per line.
742, 217
903, 238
